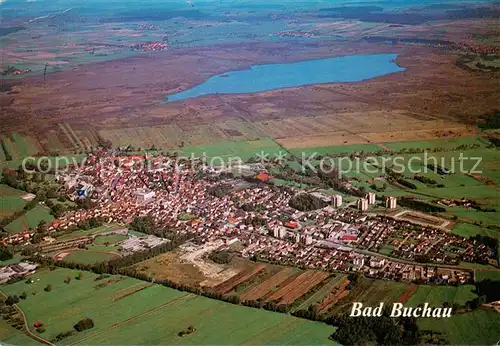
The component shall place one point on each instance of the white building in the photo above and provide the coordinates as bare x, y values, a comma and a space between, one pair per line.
363, 204
390, 202
308, 240
279, 232
144, 195
370, 196
337, 201
359, 261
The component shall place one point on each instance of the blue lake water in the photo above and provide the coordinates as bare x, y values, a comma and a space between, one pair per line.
354, 68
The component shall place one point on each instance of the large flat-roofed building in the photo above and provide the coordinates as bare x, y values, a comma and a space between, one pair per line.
279, 232
144, 195
337, 201
362, 204
370, 196
390, 202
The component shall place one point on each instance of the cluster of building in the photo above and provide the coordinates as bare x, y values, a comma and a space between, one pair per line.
16, 271
370, 199
296, 33
187, 200
13, 71
150, 46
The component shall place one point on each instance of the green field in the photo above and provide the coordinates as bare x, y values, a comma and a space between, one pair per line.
320, 294
111, 239
90, 256
371, 292
469, 230
437, 295
483, 275
10, 200
12, 336
129, 311
480, 327
232, 149
335, 150
92, 231
29, 220
450, 143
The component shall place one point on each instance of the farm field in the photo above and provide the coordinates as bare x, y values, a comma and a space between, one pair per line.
81, 233
29, 220
243, 150
302, 284
322, 292
469, 230
125, 311
370, 292
449, 143
479, 327
18, 146
89, 256
10, 200
483, 275
257, 291
12, 336
437, 295
110, 239
170, 136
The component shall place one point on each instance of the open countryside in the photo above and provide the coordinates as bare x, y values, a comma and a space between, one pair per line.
140, 306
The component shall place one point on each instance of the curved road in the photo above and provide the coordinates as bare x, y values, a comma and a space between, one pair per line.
26, 325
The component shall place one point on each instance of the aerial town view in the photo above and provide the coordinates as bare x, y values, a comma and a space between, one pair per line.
222, 172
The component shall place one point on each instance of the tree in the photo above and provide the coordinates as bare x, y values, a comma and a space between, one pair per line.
48, 288
11, 300
67, 280
84, 324
24, 295
5, 254
79, 276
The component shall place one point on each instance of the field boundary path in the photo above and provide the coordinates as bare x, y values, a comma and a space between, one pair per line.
27, 327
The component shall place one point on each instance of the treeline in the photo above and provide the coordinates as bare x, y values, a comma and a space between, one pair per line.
399, 178
490, 121
384, 330
420, 205
306, 202
427, 181
487, 291
220, 257
438, 169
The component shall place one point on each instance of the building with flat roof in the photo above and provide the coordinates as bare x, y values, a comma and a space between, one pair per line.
370, 196
144, 195
390, 202
362, 204
337, 201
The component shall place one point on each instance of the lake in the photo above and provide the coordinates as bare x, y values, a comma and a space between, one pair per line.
353, 68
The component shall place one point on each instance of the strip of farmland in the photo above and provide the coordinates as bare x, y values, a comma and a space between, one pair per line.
298, 287
228, 285
261, 289
408, 293
334, 296
304, 287
319, 295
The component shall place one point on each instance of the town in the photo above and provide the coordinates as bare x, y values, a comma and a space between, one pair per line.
191, 199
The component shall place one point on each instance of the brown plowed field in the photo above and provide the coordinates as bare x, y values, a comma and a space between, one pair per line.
408, 293
261, 289
298, 287
334, 296
228, 285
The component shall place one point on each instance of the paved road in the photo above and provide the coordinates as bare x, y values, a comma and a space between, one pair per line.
399, 260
